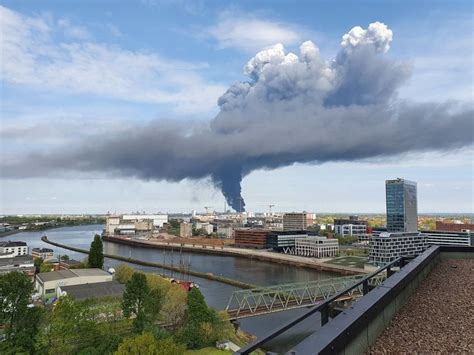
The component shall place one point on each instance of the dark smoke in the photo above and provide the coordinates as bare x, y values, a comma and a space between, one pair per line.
294, 109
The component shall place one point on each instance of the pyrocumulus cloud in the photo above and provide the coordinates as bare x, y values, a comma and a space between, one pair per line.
293, 108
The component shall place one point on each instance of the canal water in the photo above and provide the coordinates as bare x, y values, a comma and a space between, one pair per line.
216, 294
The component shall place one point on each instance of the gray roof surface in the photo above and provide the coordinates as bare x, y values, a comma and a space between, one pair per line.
10, 244
55, 275
67, 274
16, 260
94, 290
71, 262
90, 272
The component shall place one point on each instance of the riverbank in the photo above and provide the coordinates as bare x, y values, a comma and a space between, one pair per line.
261, 255
6, 234
204, 275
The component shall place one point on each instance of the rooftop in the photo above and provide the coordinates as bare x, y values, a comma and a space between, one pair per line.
43, 250
55, 275
90, 272
21, 259
71, 262
95, 290
67, 274
438, 316
10, 244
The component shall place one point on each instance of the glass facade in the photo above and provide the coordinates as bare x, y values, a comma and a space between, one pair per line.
402, 208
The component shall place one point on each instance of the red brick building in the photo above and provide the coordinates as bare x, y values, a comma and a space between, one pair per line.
454, 227
251, 238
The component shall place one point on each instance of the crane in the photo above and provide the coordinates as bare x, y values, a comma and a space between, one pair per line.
270, 208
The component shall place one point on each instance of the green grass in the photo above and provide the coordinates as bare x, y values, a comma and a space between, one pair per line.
351, 261
207, 351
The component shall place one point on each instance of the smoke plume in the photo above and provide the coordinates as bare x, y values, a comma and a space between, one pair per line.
294, 108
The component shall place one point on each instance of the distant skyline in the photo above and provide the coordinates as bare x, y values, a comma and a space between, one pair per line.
79, 73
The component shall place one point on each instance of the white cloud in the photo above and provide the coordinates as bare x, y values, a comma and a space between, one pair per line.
73, 30
249, 33
31, 57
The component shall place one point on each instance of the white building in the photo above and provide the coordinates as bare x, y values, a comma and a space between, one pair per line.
226, 232
206, 228
158, 219
449, 238
133, 224
48, 284
11, 249
317, 247
350, 229
389, 246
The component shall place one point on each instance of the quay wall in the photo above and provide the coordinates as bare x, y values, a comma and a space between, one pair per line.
209, 276
247, 253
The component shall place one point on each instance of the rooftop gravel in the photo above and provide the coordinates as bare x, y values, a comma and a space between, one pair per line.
438, 317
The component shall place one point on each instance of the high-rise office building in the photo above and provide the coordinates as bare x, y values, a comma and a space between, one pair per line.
294, 221
402, 209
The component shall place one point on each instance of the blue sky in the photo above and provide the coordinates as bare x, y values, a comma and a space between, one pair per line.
100, 65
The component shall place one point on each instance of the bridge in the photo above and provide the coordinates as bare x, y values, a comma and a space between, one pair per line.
264, 300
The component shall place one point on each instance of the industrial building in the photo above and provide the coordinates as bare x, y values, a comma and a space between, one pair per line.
93, 290
389, 246
401, 205
225, 231
185, 230
255, 238
11, 249
22, 263
48, 284
295, 221
351, 226
134, 223
317, 247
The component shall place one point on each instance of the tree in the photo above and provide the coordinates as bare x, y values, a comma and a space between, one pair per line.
96, 253
147, 344
123, 273
28, 328
141, 302
174, 307
15, 291
202, 324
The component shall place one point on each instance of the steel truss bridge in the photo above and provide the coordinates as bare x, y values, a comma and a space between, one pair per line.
264, 300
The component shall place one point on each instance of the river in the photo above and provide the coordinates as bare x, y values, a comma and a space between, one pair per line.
215, 293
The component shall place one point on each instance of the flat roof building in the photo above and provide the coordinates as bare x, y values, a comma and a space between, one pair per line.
401, 205
454, 227
294, 221
251, 238
389, 246
285, 241
352, 226
22, 263
449, 238
93, 290
43, 253
317, 247
48, 283
9, 249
